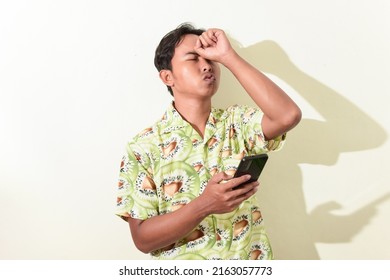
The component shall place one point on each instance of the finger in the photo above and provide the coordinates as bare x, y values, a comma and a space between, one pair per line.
247, 187
211, 35
199, 47
198, 44
207, 40
241, 198
247, 191
235, 182
220, 177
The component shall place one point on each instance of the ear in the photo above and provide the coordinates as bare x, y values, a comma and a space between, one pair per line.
166, 77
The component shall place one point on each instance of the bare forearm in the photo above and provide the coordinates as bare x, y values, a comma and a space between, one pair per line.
163, 230
279, 109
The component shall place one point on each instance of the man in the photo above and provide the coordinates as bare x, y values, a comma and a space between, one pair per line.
176, 184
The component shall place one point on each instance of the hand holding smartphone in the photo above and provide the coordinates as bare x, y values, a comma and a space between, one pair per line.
252, 165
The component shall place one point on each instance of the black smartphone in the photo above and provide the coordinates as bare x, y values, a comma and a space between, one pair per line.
252, 165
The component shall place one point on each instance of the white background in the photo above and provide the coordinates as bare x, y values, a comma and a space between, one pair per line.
77, 80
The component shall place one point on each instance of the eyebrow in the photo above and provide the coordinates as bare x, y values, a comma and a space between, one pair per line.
191, 53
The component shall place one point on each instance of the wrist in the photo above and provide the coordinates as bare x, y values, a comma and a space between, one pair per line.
230, 59
201, 207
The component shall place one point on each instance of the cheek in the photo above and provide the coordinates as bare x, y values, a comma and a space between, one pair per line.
217, 73
216, 69
187, 75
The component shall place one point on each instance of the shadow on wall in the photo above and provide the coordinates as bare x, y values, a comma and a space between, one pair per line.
346, 128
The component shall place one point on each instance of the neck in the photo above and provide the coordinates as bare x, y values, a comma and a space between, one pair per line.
194, 112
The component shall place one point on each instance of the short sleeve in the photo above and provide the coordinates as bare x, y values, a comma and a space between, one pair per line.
250, 122
136, 193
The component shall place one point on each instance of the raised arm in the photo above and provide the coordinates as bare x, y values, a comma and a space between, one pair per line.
280, 111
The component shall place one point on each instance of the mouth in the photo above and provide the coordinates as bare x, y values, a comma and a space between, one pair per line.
209, 77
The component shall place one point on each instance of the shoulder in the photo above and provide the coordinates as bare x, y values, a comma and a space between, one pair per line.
153, 131
148, 135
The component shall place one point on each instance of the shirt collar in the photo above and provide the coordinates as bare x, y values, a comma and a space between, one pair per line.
172, 120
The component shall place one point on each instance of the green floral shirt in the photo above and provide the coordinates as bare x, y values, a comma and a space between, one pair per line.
169, 164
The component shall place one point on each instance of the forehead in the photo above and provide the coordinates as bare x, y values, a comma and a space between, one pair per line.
187, 44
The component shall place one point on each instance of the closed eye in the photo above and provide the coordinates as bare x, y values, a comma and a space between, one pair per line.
196, 58
192, 56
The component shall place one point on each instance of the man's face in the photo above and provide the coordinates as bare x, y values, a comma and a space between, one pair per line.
192, 75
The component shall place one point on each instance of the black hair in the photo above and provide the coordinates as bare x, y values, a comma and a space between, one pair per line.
166, 48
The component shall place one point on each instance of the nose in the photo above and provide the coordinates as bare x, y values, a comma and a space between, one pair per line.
207, 65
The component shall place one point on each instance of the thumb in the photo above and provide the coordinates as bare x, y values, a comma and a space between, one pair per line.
199, 47
220, 177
